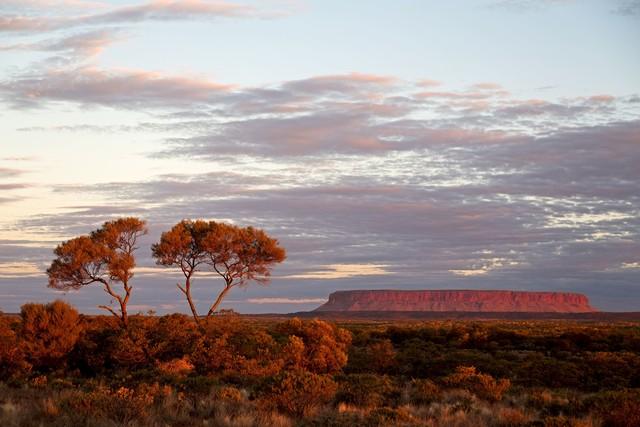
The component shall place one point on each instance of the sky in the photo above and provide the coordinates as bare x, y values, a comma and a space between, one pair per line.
488, 144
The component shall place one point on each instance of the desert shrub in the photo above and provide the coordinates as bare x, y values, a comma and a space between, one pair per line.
12, 358
298, 392
172, 337
129, 348
229, 394
511, 417
566, 421
91, 354
423, 392
389, 417
616, 408
324, 348
331, 418
377, 356
236, 350
483, 385
610, 370
175, 368
122, 405
366, 390
48, 333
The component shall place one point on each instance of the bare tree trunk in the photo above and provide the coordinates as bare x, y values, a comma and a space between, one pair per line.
187, 292
215, 305
123, 303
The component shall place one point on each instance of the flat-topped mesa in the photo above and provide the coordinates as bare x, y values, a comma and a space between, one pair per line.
458, 300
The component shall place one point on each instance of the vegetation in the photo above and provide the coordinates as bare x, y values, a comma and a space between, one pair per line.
105, 257
238, 255
60, 368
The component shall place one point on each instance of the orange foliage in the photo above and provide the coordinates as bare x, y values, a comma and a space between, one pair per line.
321, 347
48, 333
299, 392
238, 255
232, 347
105, 257
12, 362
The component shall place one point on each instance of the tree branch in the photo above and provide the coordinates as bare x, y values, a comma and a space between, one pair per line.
104, 307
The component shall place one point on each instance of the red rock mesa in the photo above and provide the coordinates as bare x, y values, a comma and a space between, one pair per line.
458, 300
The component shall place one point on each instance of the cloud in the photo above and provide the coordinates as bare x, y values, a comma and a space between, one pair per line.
526, 5
628, 8
341, 271
10, 172
123, 88
630, 265
79, 46
158, 11
364, 176
10, 270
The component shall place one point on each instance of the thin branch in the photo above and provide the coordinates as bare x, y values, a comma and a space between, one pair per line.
104, 307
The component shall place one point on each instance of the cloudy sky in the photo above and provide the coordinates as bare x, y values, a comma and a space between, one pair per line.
487, 144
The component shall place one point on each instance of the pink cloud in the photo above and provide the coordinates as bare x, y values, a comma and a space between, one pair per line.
429, 83
116, 87
157, 10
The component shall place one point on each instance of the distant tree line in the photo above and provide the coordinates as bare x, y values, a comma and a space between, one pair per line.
238, 255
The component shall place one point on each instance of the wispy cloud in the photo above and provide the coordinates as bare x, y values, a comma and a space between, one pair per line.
158, 10
341, 271
17, 269
81, 45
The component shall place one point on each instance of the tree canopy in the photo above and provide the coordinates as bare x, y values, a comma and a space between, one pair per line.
105, 256
238, 255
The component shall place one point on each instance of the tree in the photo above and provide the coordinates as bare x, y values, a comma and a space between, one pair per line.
238, 255
106, 256
182, 247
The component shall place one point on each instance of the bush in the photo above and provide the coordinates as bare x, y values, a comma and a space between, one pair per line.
12, 358
482, 385
378, 356
423, 392
299, 392
172, 337
323, 348
49, 333
235, 349
616, 408
365, 390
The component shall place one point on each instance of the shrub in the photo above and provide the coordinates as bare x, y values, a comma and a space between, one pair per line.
299, 392
122, 405
172, 337
616, 408
423, 392
378, 356
48, 333
12, 358
176, 368
235, 349
366, 390
324, 346
483, 385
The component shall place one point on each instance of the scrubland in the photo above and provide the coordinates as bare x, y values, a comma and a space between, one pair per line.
60, 368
